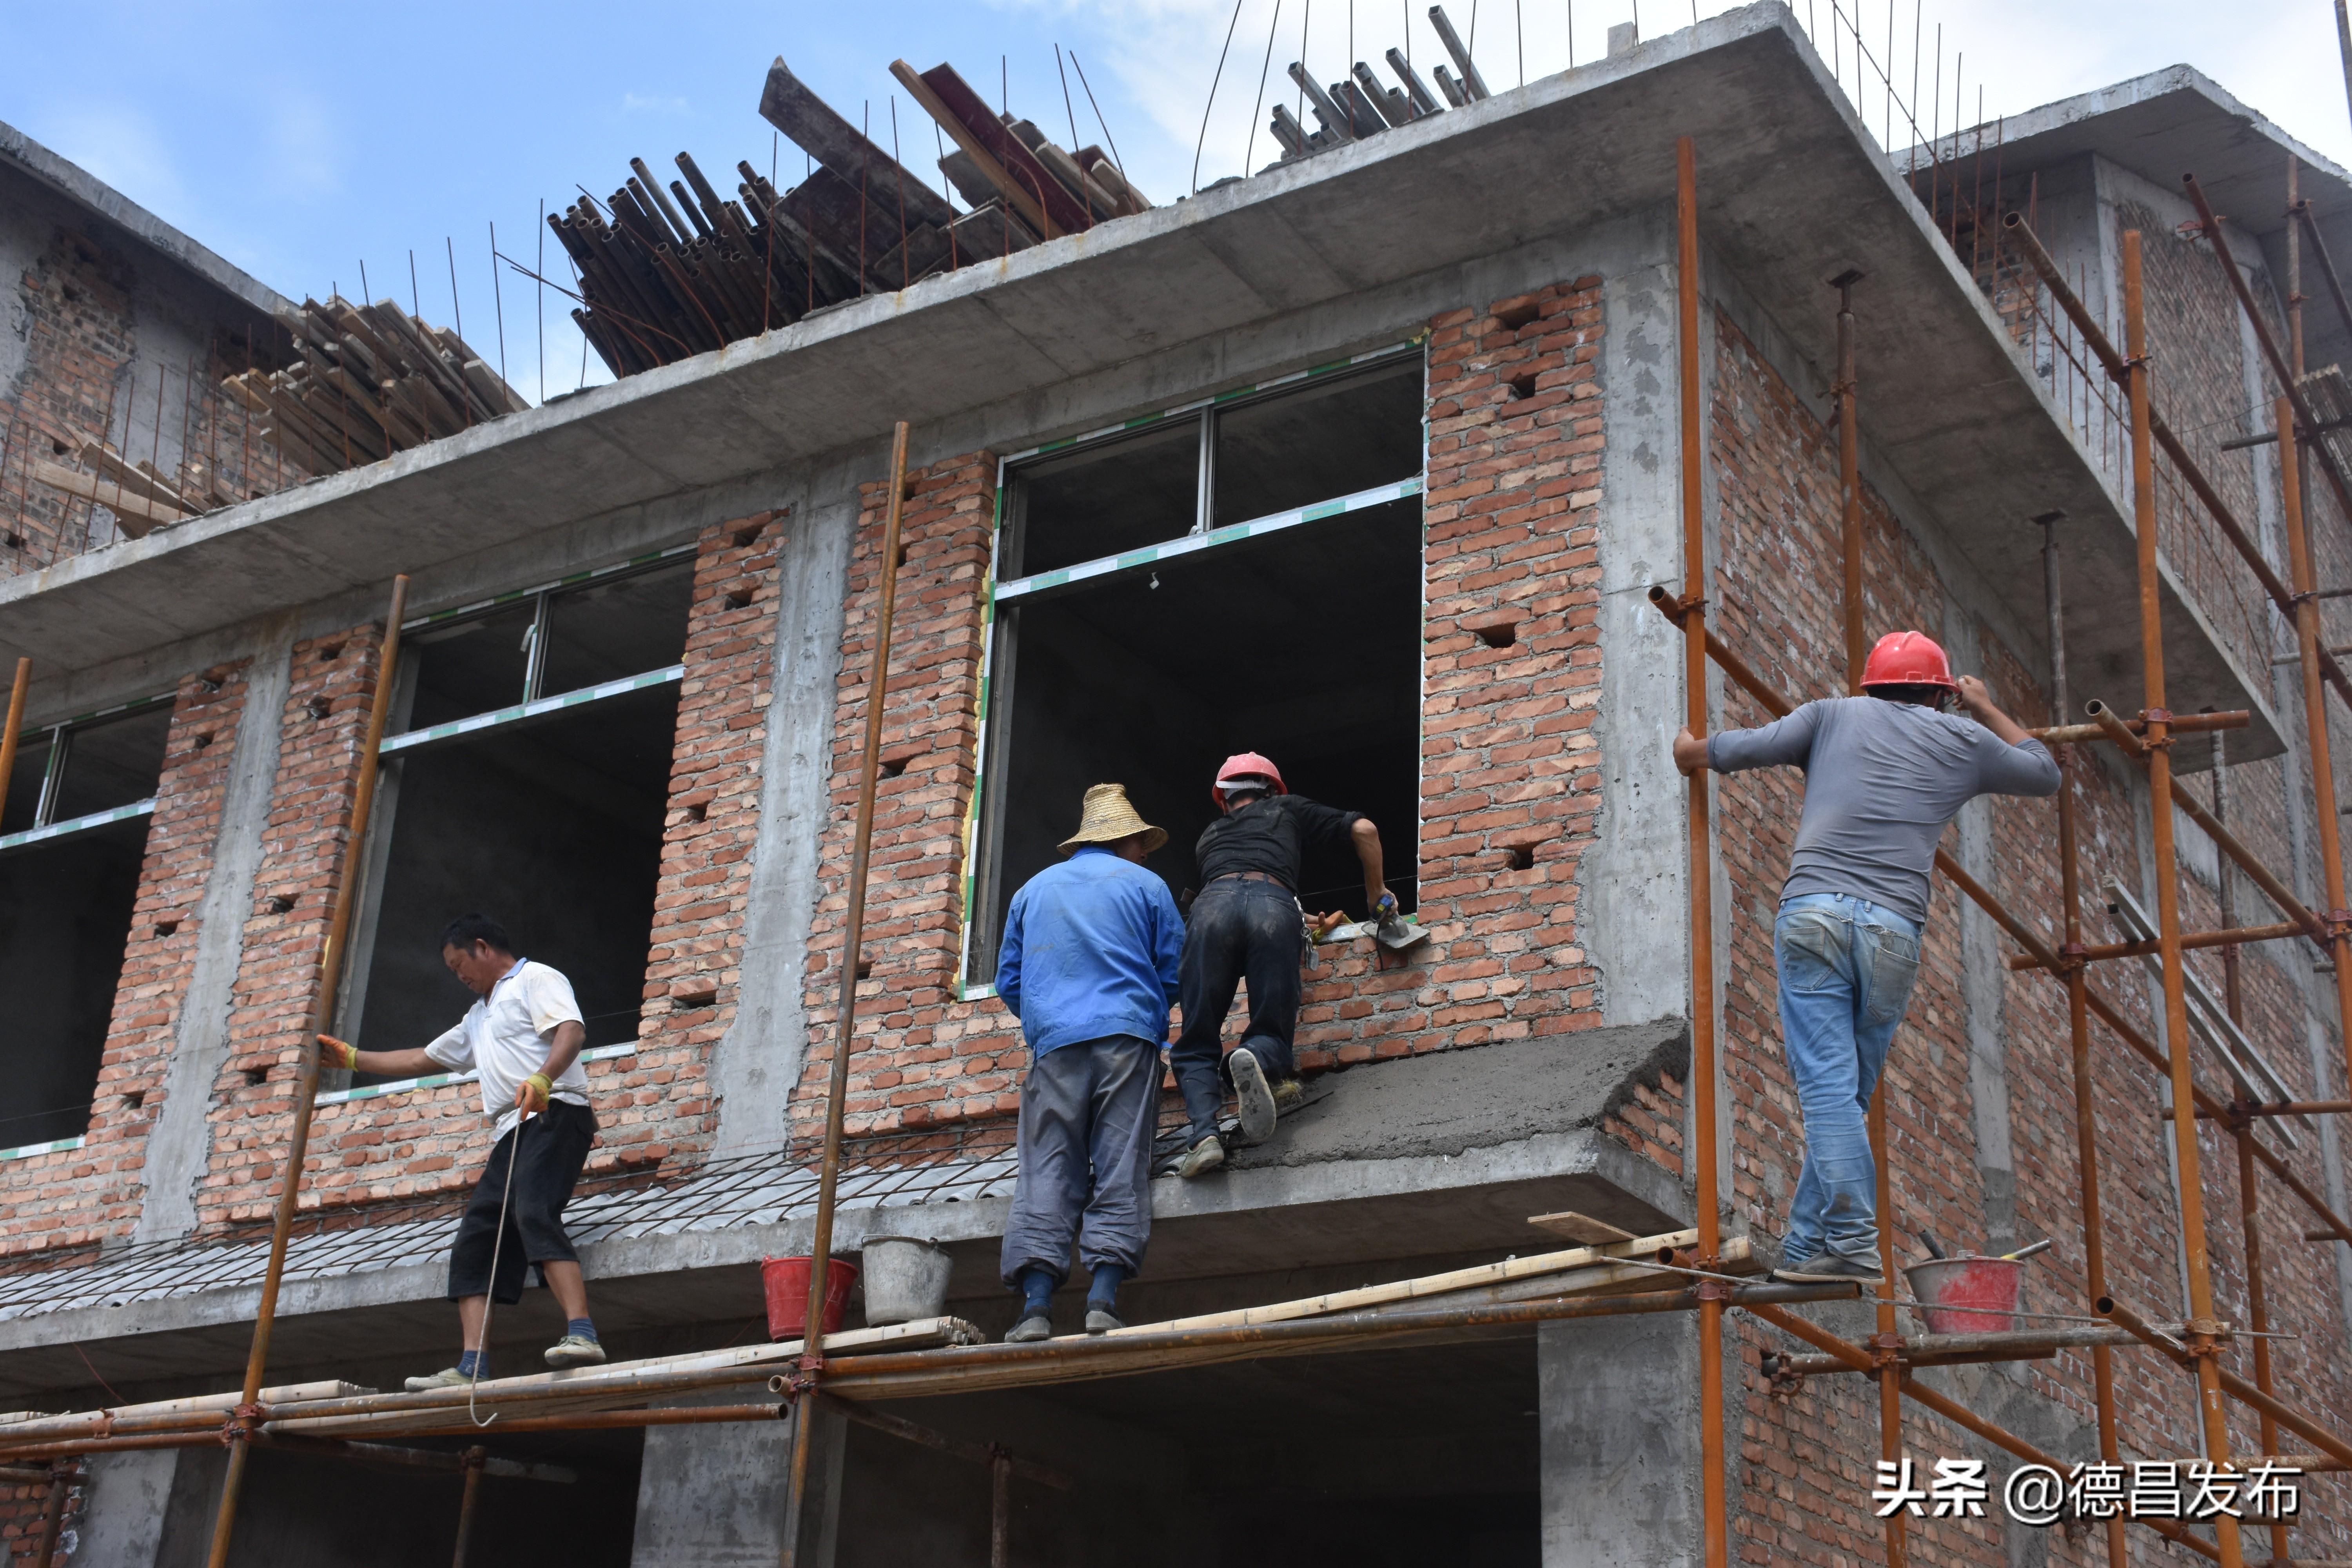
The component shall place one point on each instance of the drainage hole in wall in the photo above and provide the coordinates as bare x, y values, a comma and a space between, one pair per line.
165, 928
281, 903
1502, 633
1522, 857
256, 1077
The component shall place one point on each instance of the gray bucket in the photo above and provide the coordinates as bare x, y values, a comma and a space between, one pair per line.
906, 1280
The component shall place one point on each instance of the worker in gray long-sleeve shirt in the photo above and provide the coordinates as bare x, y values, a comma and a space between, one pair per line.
1884, 773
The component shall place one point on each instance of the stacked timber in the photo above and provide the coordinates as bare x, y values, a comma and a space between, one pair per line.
367, 380
139, 495
670, 269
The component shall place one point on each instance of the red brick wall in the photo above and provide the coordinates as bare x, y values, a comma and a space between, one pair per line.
1806, 1459
79, 383
74, 1198
22, 1509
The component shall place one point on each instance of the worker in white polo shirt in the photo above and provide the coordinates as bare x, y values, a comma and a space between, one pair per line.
524, 1035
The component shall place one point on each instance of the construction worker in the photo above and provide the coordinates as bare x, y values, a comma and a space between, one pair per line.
524, 1035
1246, 923
1087, 963
1884, 773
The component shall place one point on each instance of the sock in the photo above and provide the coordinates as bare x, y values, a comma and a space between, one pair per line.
1102, 1295
1037, 1293
474, 1363
580, 1328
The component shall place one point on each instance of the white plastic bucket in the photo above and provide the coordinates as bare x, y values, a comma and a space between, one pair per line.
906, 1280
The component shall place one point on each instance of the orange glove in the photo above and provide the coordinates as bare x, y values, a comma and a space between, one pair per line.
338, 1053
530, 1094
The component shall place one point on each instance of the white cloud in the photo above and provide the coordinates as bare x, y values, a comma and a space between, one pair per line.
639, 104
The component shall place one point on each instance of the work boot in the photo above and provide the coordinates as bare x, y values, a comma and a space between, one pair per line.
1252, 1096
447, 1377
1029, 1330
1202, 1158
1102, 1321
575, 1350
1288, 1095
1828, 1268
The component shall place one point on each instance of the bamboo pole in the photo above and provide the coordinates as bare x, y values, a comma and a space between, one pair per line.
306, 1089
877, 687
1696, 577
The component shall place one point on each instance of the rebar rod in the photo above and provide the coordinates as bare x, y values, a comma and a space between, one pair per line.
2078, 1032
1695, 579
306, 1085
878, 686
2318, 743
1951, 1410
2166, 869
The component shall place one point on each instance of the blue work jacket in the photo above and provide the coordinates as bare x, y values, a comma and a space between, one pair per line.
1090, 949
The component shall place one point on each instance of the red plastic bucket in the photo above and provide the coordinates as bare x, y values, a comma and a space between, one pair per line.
787, 1283
1986, 1285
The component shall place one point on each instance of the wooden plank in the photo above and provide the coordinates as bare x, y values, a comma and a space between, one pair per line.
787, 104
137, 516
1016, 195
1011, 154
1484, 1274
1583, 1229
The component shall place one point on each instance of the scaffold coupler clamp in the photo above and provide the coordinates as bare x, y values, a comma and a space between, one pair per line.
2203, 1336
2072, 956
1713, 1290
1783, 1378
2152, 717
2339, 923
243, 1421
1885, 1351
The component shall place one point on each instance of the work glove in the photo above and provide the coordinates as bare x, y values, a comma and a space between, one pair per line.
338, 1053
530, 1094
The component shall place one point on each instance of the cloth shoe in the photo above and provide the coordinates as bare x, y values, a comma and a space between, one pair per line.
1202, 1158
1828, 1268
447, 1377
1029, 1330
1253, 1096
1101, 1320
575, 1350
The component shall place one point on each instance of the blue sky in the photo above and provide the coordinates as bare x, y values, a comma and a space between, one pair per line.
300, 141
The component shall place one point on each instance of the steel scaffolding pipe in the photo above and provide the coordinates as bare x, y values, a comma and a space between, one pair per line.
2235, 936
306, 1085
1964, 1349
2185, 1350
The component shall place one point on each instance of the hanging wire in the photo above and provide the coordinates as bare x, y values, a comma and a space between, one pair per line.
1203, 140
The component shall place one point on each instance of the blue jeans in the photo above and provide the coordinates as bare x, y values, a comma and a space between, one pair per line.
1846, 968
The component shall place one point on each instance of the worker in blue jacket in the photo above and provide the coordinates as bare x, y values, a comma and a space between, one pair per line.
1089, 963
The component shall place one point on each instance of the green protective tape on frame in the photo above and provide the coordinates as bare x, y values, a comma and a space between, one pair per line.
79, 824
532, 709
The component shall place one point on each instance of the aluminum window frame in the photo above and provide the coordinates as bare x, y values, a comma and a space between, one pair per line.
983, 834
58, 736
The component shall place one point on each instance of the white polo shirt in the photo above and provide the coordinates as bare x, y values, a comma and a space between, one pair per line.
509, 1034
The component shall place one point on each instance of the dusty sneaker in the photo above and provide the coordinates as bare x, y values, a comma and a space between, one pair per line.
1202, 1158
1102, 1321
1252, 1096
1827, 1268
1029, 1330
1289, 1096
447, 1377
575, 1350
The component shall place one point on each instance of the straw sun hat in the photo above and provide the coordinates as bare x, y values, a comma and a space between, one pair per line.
1108, 817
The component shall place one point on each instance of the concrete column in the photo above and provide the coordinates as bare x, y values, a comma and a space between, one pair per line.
123, 1508
714, 1497
1619, 1416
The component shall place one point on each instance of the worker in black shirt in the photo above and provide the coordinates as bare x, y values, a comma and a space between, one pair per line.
1246, 924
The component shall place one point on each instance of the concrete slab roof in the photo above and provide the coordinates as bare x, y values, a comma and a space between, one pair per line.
28, 157
2180, 122
1793, 193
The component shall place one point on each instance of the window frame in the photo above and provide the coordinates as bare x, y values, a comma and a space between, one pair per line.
982, 825
59, 737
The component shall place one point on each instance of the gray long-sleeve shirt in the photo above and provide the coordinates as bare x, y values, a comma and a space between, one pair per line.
1882, 781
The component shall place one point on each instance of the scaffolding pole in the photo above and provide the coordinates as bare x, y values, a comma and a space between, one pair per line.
243, 1420
877, 684
1713, 1481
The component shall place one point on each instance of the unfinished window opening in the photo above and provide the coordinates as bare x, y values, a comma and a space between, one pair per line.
541, 803
1297, 635
72, 836
1106, 498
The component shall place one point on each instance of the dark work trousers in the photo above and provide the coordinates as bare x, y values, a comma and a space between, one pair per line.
1087, 1113
1238, 929
554, 1146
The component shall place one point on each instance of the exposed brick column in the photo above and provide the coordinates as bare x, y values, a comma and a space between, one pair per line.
921, 1055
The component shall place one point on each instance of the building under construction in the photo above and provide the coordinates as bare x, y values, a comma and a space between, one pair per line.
1508, 431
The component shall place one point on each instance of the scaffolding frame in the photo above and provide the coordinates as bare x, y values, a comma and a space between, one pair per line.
839, 1382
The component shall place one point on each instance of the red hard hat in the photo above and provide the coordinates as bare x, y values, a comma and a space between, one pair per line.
1907, 658
1245, 764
